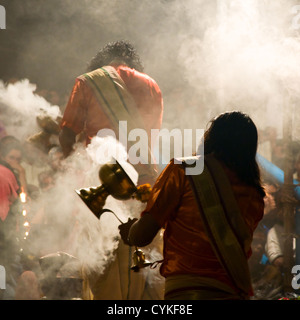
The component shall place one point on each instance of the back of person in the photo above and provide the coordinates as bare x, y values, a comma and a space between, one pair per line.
84, 111
209, 217
187, 248
9, 248
114, 91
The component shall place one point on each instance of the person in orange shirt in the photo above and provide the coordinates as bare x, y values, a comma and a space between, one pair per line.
114, 89
10, 151
208, 218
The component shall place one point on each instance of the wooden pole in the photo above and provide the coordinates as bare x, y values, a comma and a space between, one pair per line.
288, 208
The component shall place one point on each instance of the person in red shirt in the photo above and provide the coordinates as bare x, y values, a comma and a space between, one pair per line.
10, 150
114, 89
194, 264
9, 189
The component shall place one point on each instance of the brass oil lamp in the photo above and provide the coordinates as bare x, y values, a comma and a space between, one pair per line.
117, 183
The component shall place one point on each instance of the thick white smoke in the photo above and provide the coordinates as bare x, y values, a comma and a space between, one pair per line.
207, 56
19, 107
247, 58
92, 240
67, 223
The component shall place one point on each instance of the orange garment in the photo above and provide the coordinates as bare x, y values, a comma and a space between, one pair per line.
186, 246
83, 111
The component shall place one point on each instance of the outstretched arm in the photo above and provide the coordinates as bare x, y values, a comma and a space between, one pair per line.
139, 232
162, 203
143, 231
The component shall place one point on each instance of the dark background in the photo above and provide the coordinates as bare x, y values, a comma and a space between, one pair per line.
51, 42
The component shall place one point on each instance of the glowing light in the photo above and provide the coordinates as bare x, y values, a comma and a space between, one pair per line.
23, 197
26, 224
24, 212
26, 233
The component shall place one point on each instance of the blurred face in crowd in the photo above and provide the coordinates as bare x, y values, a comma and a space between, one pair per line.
46, 181
13, 157
271, 189
269, 199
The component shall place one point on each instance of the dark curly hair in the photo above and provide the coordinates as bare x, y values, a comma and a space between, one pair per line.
120, 51
232, 138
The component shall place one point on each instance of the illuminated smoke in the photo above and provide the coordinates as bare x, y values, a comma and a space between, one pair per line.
207, 56
247, 59
19, 107
92, 241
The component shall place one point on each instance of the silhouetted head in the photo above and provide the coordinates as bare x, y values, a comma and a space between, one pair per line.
232, 138
119, 52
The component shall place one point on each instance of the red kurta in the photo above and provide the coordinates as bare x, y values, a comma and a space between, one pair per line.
84, 112
186, 246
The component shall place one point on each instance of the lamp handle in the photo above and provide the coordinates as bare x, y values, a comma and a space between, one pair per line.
108, 210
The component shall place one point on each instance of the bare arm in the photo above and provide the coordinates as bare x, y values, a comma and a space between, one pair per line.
20, 171
139, 232
143, 231
67, 139
162, 203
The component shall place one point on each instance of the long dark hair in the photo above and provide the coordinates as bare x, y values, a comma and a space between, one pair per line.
122, 51
232, 138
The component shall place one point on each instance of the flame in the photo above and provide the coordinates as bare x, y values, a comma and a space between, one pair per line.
23, 197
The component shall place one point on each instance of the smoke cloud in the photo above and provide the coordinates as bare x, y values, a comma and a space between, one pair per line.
246, 59
59, 220
207, 56
20, 106
77, 230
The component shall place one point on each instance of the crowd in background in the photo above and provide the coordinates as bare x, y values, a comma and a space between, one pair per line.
31, 166
267, 260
